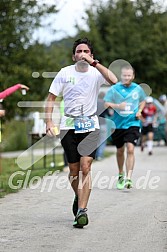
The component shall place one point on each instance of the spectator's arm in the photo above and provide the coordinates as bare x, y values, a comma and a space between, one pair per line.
11, 90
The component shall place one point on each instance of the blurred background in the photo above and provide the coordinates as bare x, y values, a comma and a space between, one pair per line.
37, 38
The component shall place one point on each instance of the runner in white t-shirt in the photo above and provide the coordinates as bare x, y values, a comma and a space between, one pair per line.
79, 85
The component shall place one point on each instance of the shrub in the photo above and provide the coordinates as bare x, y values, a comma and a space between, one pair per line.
14, 136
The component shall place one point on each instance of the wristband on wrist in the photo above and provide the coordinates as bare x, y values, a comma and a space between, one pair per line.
94, 63
140, 110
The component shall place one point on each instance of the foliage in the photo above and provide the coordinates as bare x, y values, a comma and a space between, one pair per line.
19, 56
15, 135
135, 31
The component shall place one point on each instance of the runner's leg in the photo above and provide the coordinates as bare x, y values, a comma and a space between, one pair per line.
130, 160
84, 186
120, 158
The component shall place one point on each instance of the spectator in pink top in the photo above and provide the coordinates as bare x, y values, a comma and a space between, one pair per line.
10, 91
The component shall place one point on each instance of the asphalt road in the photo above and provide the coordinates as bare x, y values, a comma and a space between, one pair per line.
40, 219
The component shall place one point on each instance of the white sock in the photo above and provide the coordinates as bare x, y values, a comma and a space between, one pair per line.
150, 145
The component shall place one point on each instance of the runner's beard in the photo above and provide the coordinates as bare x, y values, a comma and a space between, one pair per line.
82, 66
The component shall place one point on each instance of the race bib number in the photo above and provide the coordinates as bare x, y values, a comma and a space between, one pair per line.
128, 109
84, 124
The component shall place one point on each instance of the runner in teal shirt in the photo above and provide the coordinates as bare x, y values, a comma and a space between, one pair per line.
127, 100
132, 95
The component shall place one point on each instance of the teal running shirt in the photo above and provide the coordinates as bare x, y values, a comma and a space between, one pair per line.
133, 95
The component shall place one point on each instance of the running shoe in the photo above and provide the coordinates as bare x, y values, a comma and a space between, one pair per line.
121, 182
142, 147
81, 219
128, 183
75, 205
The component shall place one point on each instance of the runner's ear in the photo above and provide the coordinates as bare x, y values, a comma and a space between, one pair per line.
133, 77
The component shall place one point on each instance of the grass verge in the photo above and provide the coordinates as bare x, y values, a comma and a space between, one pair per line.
9, 170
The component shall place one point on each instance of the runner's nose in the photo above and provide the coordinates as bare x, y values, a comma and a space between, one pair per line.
82, 55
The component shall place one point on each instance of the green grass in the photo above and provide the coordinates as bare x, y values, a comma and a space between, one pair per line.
8, 167
107, 154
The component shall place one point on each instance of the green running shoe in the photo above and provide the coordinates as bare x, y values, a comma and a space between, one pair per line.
128, 183
75, 205
121, 182
81, 219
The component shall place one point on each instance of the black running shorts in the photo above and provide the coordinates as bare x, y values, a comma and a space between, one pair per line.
77, 145
122, 136
146, 129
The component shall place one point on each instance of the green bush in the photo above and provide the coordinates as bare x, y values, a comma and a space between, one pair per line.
14, 136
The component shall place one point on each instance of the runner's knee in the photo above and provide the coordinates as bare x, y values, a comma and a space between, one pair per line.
85, 169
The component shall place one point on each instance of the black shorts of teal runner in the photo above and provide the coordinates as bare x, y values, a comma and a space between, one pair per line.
122, 136
77, 145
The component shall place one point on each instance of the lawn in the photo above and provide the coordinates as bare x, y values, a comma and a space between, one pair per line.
9, 171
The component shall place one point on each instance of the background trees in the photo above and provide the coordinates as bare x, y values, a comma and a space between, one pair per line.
135, 31
19, 56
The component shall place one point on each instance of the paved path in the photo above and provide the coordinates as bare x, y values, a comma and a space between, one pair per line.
40, 220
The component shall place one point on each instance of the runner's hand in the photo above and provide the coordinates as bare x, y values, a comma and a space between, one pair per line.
51, 129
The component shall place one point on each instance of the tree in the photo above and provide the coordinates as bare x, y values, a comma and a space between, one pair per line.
135, 31
18, 20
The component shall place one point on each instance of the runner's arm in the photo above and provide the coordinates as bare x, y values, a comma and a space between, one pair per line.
48, 114
140, 109
11, 90
120, 106
107, 74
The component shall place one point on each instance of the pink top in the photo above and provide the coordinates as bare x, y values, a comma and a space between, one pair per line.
9, 91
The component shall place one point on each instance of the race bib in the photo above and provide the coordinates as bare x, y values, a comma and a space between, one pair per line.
128, 109
83, 124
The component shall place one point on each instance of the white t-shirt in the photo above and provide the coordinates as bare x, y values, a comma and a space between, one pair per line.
80, 92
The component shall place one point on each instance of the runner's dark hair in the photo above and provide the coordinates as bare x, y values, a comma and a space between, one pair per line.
82, 41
